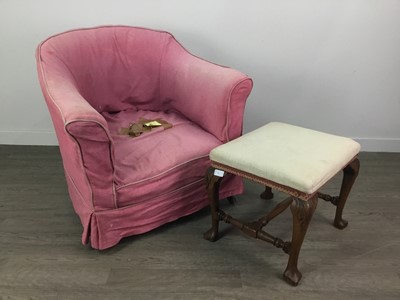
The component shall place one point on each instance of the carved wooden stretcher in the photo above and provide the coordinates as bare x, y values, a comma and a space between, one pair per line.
303, 194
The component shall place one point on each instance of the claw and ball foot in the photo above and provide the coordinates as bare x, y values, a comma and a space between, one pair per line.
292, 276
211, 235
267, 194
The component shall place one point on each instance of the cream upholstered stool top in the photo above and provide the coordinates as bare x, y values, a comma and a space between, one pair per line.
301, 159
291, 159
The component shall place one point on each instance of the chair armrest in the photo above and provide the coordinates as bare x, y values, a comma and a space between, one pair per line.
96, 154
210, 95
83, 136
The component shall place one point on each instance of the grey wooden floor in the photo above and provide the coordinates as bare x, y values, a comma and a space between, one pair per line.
41, 256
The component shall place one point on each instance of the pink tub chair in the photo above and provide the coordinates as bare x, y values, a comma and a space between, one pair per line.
99, 80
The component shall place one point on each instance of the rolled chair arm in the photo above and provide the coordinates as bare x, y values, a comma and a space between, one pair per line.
96, 148
83, 136
211, 95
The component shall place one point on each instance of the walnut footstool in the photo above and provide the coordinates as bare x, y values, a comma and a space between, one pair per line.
290, 159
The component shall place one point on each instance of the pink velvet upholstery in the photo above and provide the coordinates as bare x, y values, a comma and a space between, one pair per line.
96, 81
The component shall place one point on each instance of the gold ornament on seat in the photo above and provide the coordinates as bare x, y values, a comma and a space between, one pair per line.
144, 125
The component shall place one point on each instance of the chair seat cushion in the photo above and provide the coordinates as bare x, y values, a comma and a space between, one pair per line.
160, 160
292, 156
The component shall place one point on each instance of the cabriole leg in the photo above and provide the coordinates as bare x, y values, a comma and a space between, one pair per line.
213, 183
350, 173
302, 212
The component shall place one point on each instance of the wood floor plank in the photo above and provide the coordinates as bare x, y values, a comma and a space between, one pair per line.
166, 279
51, 273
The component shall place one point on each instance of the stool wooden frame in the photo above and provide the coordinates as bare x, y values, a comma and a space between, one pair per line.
302, 206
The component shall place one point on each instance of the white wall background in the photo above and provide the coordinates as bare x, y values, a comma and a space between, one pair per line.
331, 65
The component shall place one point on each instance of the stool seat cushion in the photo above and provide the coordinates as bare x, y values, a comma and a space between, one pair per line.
300, 158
